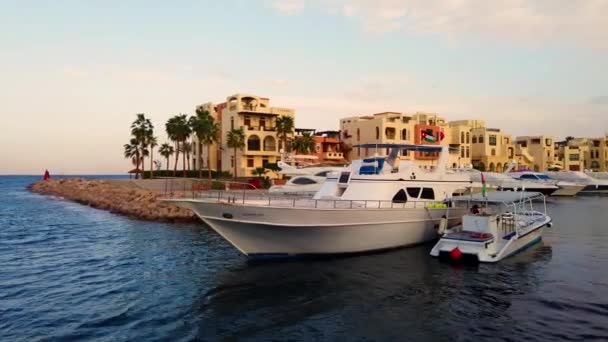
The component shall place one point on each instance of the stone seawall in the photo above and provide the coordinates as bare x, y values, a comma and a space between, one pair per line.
117, 197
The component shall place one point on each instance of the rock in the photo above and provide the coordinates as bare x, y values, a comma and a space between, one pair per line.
114, 197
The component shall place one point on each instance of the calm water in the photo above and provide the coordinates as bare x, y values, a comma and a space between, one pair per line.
69, 272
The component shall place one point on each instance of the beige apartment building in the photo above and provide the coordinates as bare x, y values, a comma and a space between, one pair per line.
258, 120
535, 152
581, 154
492, 149
394, 128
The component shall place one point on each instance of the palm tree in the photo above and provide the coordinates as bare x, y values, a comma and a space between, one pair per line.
153, 142
236, 140
178, 131
186, 150
284, 125
304, 144
207, 131
166, 151
132, 152
259, 171
142, 130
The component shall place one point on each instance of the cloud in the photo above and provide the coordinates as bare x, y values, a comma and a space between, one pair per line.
581, 23
289, 7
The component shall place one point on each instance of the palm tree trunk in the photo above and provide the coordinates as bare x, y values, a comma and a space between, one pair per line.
167, 166
143, 162
137, 166
176, 158
184, 158
200, 159
151, 160
235, 175
209, 161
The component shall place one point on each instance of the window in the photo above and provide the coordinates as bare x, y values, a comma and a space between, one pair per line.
264, 162
322, 174
247, 121
462, 137
400, 197
262, 123
480, 140
249, 162
468, 152
232, 122
303, 181
231, 161
461, 151
493, 152
269, 144
377, 133
358, 134
468, 138
528, 176
253, 143
474, 139
574, 157
413, 192
404, 134
492, 140
427, 193
389, 132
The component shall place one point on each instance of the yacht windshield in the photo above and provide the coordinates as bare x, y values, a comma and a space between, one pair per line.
543, 177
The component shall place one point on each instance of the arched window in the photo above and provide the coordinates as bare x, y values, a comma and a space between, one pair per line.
253, 143
480, 140
377, 132
492, 167
269, 144
358, 134
493, 152
468, 138
474, 139
404, 134
462, 137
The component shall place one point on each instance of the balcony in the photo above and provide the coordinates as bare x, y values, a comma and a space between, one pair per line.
258, 109
261, 128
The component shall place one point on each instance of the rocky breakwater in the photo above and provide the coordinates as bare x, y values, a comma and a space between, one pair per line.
120, 198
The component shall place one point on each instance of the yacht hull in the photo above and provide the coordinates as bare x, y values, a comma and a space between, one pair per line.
595, 189
545, 191
259, 230
568, 190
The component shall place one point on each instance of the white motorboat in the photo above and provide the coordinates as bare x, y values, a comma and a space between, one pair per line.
304, 185
565, 188
591, 185
503, 182
366, 207
498, 225
319, 170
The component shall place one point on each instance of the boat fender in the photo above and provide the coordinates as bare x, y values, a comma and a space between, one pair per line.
443, 225
550, 224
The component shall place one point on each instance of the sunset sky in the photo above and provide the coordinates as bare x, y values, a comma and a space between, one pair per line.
75, 73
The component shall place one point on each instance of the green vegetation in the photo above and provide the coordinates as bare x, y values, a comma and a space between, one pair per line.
285, 127
207, 132
235, 139
304, 144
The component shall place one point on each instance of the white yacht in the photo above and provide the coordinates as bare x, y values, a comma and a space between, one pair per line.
366, 207
565, 188
503, 182
498, 225
304, 185
591, 185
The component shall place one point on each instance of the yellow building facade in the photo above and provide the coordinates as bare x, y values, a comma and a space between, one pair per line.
580, 154
258, 120
535, 152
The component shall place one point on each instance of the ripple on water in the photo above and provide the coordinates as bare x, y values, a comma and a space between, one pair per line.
71, 272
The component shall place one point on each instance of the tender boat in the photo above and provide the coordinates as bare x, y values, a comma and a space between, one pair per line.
366, 207
590, 185
498, 225
565, 188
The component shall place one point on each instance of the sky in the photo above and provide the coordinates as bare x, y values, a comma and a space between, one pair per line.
73, 74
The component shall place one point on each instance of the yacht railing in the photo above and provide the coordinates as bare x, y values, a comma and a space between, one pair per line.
245, 193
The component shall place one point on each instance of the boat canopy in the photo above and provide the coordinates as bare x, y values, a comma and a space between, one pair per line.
499, 197
408, 147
